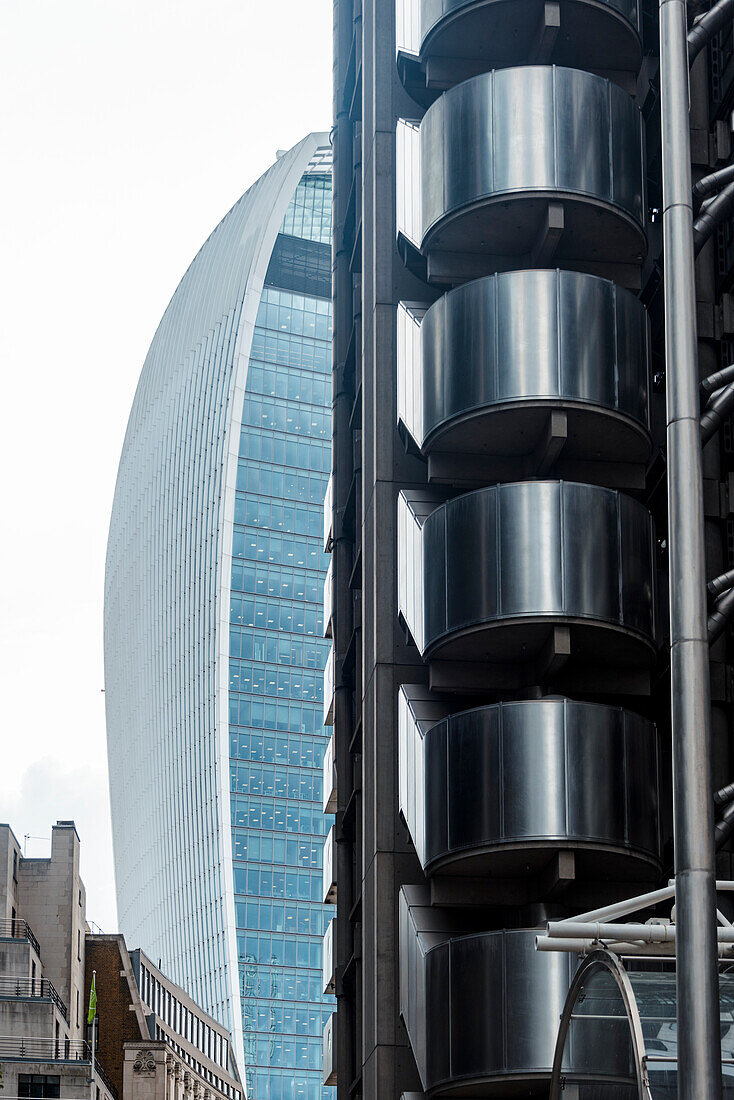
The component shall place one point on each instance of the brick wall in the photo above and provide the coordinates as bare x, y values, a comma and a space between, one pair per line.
117, 1020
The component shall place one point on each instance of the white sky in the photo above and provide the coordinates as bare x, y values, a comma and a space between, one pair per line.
128, 128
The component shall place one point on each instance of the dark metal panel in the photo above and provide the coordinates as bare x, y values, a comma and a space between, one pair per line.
596, 775
473, 796
433, 798
468, 143
533, 776
581, 109
633, 355
590, 580
531, 547
440, 1021
637, 544
434, 572
535, 983
471, 538
476, 979
626, 144
523, 151
433, 379
527, 334
641, 796
586, 334
432, 162
467, 355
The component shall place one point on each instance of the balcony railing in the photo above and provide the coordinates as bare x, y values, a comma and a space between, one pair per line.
17, 929
32, 1049
31, 987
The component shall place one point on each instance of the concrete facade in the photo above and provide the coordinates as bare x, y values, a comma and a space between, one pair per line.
42, 959
47, 959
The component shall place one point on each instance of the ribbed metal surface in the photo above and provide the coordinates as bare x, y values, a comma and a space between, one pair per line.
495, 149
490, 789
525, 554
480, 1010
485, 364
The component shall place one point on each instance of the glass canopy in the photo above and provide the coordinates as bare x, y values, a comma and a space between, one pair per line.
618, 1040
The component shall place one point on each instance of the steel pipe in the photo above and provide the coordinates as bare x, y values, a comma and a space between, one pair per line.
720, 616
724, 827
715, 212
716, 587
642, 933
699, 1073
718, 407
713, 182
706, 26
646, 950
724, 794
717, 380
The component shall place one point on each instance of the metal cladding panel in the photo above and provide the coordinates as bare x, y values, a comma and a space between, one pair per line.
537, 128
465, 791
528, 550
430, 159
524, 774
469, 536
528, 516
479, 1008
527, 337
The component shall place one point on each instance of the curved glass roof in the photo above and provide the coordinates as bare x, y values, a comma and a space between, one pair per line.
618, 1033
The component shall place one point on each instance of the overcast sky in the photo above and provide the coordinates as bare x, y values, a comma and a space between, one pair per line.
128, 128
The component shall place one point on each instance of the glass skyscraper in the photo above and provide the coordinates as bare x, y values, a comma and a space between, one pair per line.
214, 644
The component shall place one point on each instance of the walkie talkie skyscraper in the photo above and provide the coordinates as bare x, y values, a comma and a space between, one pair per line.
213, 629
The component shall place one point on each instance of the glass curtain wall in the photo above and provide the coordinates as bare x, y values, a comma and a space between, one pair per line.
277, 655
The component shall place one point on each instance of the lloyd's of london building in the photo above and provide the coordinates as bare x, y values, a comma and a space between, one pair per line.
214, 645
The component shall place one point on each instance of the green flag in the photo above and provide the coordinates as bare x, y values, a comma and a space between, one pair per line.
92, 999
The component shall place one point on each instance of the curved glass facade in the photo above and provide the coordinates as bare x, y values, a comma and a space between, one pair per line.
213, 633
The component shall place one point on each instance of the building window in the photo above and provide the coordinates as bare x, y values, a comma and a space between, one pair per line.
15, 865
79, 944
39, 1085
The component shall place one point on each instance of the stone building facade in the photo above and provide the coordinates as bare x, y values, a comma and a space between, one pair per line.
44, 1050
152, 1040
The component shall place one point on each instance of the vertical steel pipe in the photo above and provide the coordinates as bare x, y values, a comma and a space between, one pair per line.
699, 1052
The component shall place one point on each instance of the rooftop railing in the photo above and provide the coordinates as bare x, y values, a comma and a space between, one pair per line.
32, 1049
22, 988
16, 928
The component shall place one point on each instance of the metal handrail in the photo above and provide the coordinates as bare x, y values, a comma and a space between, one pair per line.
33, 1049
44, 1049
31, 987
16, 928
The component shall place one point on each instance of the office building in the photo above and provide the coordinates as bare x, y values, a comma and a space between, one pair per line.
214, 645
500, 681
150, 1041
44, 1048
